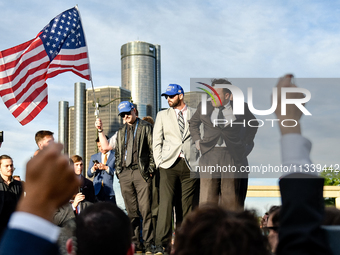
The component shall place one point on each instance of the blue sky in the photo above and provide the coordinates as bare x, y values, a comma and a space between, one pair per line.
240, 39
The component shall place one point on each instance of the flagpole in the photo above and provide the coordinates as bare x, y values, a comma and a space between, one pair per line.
94, 94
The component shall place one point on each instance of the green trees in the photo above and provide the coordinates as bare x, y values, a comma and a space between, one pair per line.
332, 178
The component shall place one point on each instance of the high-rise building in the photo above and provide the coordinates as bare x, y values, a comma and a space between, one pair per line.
108, 98
193, 98
141, 74
79, 118
63, 125
71, 148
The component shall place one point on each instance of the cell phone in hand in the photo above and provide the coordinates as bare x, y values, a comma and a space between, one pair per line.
95, 161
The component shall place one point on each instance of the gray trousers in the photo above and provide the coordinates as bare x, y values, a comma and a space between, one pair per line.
220, 187
137, 197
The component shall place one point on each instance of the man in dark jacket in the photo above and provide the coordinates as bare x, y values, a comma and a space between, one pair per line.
134, 168
70, 210
86, 187
10, 191
223, 145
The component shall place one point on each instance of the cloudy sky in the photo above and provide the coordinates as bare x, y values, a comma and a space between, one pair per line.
234, 39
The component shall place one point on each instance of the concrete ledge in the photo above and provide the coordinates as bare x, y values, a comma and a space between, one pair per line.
274, 191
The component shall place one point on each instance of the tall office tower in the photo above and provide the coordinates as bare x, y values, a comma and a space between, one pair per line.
141, 74
71, 131
193, 98
75, 131
63, 125
81, 118
108, 98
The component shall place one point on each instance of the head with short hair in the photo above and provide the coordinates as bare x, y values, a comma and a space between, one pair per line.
149, 119
103, 228
211, 229
274, 213
76, 158
43, 138
17, 177
223, 93
6, 166
77, 164
100, 146
4, 157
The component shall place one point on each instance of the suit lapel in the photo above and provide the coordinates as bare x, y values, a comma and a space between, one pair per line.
186, 128
236, 116
111, 156
82, 206
207, 117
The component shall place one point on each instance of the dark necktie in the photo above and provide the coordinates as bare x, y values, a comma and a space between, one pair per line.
181, 122
129, 146
220, 116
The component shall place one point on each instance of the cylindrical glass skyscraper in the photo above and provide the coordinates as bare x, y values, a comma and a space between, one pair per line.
141, 74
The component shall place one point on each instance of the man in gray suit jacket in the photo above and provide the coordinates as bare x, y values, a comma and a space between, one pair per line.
171, 148
70, 210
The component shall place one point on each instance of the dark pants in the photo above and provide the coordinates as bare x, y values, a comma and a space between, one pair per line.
137, 197
222, 186
168, 178
155, 198
178, 217
241, 190
102, 197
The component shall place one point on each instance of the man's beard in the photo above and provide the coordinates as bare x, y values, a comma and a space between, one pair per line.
175, 103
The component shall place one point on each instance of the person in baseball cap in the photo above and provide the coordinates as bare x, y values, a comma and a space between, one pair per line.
173, 90
172, 145
125, 107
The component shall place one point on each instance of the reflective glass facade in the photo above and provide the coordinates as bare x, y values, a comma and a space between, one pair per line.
140, 65
108, 112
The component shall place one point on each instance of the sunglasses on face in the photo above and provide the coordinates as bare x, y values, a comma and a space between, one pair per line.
123, 114
171, 97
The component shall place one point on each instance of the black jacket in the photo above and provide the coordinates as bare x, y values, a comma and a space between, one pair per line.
143, 138
65, 213
12, 197
301, 216
87, 189
239, 138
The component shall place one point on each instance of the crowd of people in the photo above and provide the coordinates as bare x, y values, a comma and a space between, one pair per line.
155, 167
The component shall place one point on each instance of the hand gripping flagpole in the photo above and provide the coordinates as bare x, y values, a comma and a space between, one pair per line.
96, 112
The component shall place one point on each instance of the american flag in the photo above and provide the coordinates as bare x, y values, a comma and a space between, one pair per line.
59, 47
